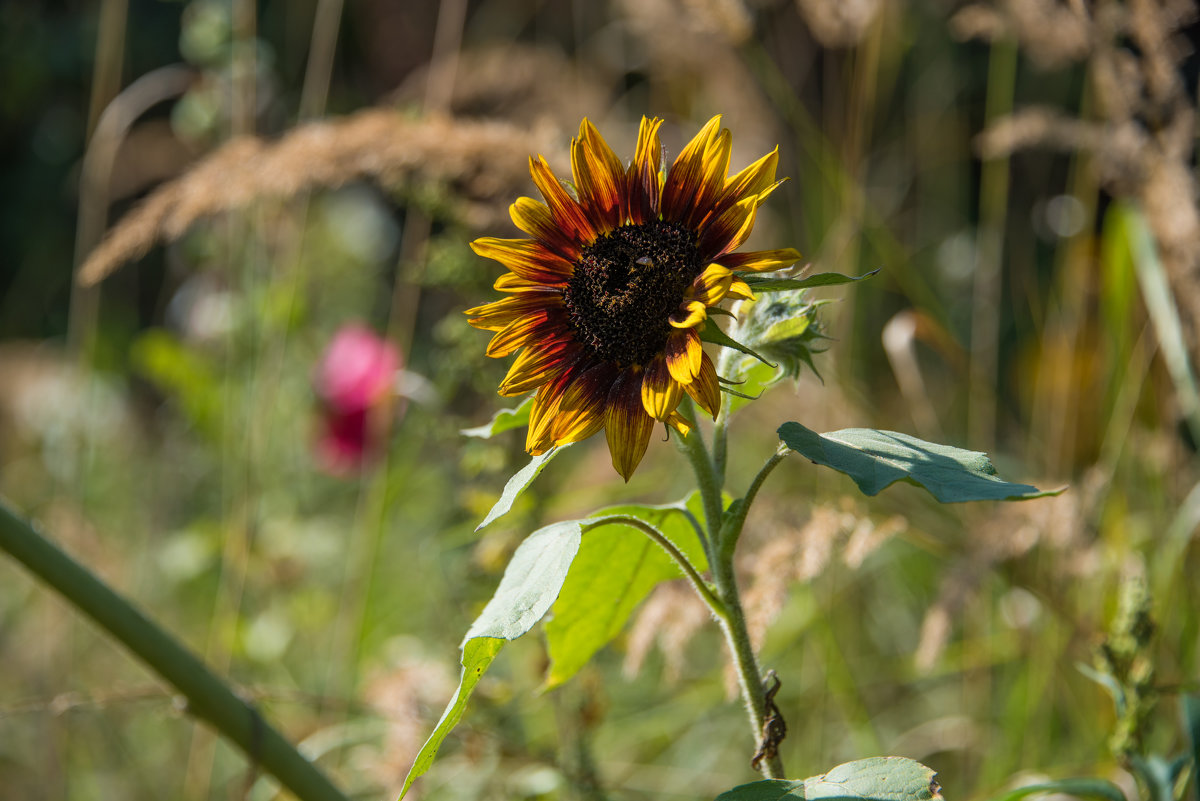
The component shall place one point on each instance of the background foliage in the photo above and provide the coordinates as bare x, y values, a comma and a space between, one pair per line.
160, 423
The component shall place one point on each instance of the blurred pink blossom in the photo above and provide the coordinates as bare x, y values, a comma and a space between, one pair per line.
355, 384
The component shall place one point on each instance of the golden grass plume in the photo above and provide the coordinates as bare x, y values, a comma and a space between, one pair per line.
481, 162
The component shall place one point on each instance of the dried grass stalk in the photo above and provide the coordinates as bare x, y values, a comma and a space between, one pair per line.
482, 162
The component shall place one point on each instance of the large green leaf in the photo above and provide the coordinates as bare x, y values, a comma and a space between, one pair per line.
532, 580
616, 568
503, 420
766, 790
1100, 789
477, 656
518, 484
874, 779
876, 459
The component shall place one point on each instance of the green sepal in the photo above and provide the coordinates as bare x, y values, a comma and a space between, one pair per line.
718, 337
765, 283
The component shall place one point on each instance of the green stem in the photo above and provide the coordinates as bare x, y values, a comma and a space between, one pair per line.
208, 698
733, 625
724, 532
706, 481
653, 533
731, 530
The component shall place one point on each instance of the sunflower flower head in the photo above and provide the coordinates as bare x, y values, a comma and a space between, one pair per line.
606, 299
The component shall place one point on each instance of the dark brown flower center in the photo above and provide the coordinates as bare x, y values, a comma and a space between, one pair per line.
626, 284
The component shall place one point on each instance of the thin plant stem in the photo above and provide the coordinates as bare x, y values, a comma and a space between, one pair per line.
724, 532
732, 528
208, 697
706, 481
697, 581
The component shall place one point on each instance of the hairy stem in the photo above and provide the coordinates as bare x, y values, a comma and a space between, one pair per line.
733, 625
707, 482
724, 530
208, 698
731, 529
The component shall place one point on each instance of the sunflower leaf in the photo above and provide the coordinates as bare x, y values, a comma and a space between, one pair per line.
877, 459
765, 283
874, 779
503, 420
718, 337
519, 483
1099, 789
766, 790
531, 583
616, 568
476, 657
533, 579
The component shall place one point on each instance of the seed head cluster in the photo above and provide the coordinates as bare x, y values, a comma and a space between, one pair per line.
625, 286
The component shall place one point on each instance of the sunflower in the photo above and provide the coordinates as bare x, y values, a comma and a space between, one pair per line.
606, 301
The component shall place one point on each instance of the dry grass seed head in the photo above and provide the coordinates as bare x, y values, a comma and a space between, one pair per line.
669, 618
522, 84
839, 23
483, 162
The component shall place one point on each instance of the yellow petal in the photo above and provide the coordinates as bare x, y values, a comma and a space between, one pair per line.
685, 180
537, 364
644, 177
495, 316
660, 392
739, 289
761, 261
689, 315
582, 409
511, 282
728, 231
711, 286
527, 258
678, 422
536, 220
683, 353
599, 178
705, 390
627, 427
756, 179
514, 335
566, 211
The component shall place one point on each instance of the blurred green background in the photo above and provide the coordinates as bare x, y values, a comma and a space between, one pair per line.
1037, 299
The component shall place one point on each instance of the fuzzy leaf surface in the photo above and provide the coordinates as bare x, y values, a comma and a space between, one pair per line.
476, 657
874, 779
877, 459
532, 581
616, 568
518, 484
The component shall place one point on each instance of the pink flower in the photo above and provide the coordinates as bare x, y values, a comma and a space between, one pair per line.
354, 382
